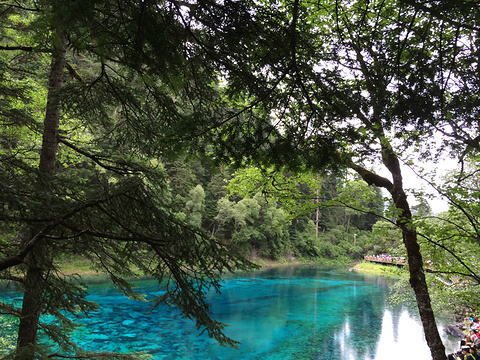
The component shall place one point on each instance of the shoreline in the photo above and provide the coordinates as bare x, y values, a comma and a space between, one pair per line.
453, 328
83, 269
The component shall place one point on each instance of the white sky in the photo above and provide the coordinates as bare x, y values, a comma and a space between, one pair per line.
413, 181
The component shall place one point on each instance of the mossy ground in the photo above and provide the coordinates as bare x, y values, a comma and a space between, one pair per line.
76, 265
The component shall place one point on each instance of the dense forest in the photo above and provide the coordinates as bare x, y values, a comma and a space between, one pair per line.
182, 140
278, 216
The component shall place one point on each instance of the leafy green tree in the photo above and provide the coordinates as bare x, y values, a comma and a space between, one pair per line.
293, 192
346, 85
304, 238
422, 209
387, 239
450, 240
362, 202
273, 226
332, 203
194, 207
182, 179
256, 226
237, 219
215, 190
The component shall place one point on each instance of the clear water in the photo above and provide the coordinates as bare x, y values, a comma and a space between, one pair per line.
302, 312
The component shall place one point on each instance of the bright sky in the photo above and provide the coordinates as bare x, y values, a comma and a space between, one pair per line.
413, 181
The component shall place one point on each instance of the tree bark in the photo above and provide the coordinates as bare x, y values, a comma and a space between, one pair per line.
40, 259
415, 262
317, 213
347, 221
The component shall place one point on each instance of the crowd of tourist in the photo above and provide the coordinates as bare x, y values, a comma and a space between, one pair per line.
470, 345
386, 259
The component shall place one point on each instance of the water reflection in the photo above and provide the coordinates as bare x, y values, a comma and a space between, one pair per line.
304, 312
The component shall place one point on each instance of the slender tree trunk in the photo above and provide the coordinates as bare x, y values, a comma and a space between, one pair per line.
347, 221
415, 262
40, 259
317, 212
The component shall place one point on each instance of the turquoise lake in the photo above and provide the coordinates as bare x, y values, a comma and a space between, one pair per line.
301, 312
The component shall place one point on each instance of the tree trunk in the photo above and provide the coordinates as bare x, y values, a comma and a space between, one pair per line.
40, 259
347, 221
415, 262
31, 308
317, 213
419, 285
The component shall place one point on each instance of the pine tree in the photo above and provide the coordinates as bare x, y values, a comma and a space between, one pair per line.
93, 96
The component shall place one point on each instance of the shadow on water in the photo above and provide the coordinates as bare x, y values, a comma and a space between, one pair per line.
301, 312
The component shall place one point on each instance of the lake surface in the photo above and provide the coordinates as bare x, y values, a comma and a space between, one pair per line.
301, 312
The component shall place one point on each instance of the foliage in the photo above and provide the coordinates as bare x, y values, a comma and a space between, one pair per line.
239, 218
388, 239
94, 162
84, 177
7, 335
360, 85
194, 207
450, 242
293, 192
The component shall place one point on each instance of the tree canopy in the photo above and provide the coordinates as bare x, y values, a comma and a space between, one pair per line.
362, 84
98, 99
94, 96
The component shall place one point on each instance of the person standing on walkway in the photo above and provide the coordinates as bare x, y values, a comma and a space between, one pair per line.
474, 353
466, 354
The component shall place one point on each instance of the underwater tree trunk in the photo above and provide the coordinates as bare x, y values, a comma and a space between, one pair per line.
40, 259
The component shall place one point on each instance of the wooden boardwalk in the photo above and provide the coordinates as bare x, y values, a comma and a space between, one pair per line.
387, 260
400, 262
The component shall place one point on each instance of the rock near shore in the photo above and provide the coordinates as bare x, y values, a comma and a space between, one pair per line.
456, 330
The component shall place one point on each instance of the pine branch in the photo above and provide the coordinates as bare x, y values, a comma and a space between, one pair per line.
127, 168
23, 252
17, 258
23, 48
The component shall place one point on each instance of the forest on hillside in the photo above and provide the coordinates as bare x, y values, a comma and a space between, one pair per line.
276, 216
182, 140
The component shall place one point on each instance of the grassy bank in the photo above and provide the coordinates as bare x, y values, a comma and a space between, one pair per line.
83, 267
380, 270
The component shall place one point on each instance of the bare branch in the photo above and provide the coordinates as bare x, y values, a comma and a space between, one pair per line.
371, 178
